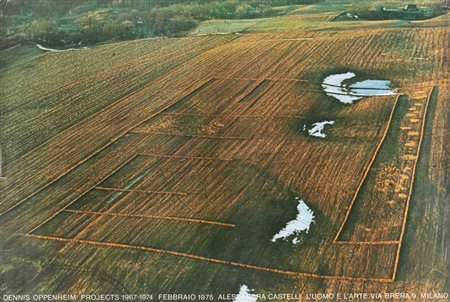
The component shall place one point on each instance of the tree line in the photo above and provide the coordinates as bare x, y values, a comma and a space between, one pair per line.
83, 22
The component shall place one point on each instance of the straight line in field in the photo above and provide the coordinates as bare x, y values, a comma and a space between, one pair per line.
110, 142
359, 88
186, 157
250, 116
408, 199
254, 87
392, 242
79, 196
282, 79
212, 260
367, 95
264, 78
366, 172
192, 135
159, 217
139, 191
308, 81
287, 39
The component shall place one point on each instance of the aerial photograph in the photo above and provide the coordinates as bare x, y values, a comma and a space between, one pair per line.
225, 150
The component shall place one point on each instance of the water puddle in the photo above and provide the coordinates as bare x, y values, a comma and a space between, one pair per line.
317, 129
351, 16
58, 50
334, 86
302, 222
372, 87
245, 295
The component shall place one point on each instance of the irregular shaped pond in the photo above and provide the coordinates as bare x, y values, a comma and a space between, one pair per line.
334, 86
372, 87
58, 50
302, 222
317, 128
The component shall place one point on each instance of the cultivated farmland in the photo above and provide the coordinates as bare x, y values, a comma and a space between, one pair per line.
167, 165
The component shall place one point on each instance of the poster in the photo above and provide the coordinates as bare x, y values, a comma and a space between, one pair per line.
235, 150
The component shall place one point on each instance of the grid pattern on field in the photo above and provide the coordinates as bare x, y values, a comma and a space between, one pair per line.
411, 159
132, 187
126, 190
414, 132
